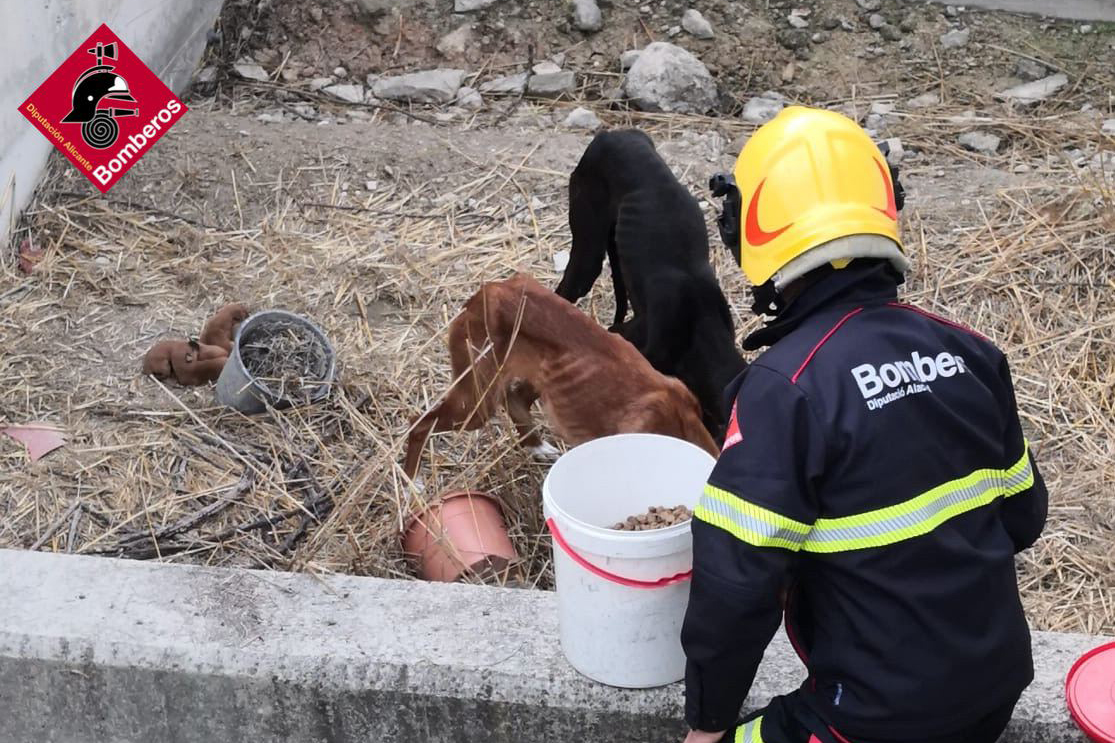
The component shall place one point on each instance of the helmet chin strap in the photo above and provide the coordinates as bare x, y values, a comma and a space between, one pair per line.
767, 299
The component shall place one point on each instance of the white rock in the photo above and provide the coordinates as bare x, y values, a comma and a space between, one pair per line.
876, 21
869, 5
466, 6
882, 108
552, 84
371, 185
628, 58
561, 260
508, 84
673, 31
1021, 168
1108, 127
582, 118
455, 42
271, 118
666, 77
586, 15
350, 93
469, 99
546, 67
897, 152
760, 110
980, 141
956, 38
695, 23
874, 122
320, 82
206, 75
250, 70
797, 21
340, 72
925, 100
428, 86
1036, 91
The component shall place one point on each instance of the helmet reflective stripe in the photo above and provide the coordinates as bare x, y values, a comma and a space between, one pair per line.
807, 178
750, 732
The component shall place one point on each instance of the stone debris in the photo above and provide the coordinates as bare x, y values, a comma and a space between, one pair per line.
956, 38
876, 21
628, 58
509, 84
350, 93
980, 141
869, 5
427, 86
582, 118
206, 75
340, 72
1030, 69
268, 117
456, 42
250, 70
763, 108
889, 32
696, 24
925, 100
561, 260
469, 99
896, 152
552, 84
1108, 126
587, 16
1035, 91
673, 31
546, 67
797, 21
467, 6
320, 82
668, 78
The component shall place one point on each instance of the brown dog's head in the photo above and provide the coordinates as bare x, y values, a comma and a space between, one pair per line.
235, 312
162, 358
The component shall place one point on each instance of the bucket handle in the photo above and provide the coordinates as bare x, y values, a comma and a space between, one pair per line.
601, 573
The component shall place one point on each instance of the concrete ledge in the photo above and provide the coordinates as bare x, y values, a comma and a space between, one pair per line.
94, 649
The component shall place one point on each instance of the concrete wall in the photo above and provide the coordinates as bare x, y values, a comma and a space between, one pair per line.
35, 36
1080, 10
94, 649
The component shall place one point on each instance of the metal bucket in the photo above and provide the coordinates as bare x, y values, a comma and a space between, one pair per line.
238, 389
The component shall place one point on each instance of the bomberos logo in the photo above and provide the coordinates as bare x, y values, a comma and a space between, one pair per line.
103, 113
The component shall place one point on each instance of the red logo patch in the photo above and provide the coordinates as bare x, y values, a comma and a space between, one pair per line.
103, 108
732, 436
755, 234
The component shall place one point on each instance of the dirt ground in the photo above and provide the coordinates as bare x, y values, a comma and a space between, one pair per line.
378, 223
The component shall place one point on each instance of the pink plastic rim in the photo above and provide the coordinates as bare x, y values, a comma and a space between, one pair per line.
1072, 691
599, 572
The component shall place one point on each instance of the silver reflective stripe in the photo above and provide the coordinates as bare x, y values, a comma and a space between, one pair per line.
749, 522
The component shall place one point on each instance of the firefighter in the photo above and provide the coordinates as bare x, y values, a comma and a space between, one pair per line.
874, 484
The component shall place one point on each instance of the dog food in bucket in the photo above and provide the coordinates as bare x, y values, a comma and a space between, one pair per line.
656, 517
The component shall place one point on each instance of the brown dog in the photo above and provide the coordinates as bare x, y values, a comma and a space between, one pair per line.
524, 342
188, 362
220, 330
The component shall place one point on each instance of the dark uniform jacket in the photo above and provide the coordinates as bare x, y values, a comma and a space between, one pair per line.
876, 476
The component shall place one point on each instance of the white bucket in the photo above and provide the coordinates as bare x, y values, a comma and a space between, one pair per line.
614, 630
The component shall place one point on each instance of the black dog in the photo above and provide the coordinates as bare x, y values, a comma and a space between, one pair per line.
624, 202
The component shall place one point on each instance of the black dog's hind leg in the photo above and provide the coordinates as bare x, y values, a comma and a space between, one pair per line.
618, 286
591, 229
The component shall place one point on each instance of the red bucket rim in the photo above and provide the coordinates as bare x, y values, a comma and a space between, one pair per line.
1072, 681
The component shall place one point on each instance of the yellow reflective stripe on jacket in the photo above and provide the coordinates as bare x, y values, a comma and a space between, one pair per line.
922, 514
750, 732
761, 527
748, 522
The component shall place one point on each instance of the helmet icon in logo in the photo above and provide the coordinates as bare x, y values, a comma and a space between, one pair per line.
99, 83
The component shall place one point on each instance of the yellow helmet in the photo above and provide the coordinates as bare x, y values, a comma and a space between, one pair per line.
813, 189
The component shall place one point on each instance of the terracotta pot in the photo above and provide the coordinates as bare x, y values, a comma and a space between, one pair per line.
460, 534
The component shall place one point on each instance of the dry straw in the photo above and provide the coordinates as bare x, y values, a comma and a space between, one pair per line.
160, 472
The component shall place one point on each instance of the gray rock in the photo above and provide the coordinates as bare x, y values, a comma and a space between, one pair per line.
793, 38
897, 152
909, 24
666, 77
546, 67
1108, 127
889, 32
882, 108
206, 75
587, 16
1029, 69
869, 5
980, 141
797, 21
467, 6
820, 37
469, 99
951, 11
628, 58
874, 122
250, 70
456, 42
673, 31
1036, 91
925, 100
508, 84
428, 86
379, 7
695, 23
268, 117
350, 93
956, 38
760, 110
582, 118
551, 85
876, 21
320, 82
830, 23
340, 72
